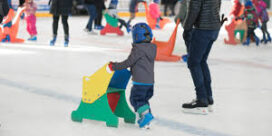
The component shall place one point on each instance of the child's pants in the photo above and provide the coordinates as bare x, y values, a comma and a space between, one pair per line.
31, 24
140, 95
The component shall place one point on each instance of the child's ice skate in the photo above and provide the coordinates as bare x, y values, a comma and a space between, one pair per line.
32, 38
247, 41
144, 121
257, 40
268, 38
184, 57
264, 40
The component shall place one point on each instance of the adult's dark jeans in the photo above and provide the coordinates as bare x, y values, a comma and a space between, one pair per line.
98, 20
199, 49
92, 13
64, 19
140, 95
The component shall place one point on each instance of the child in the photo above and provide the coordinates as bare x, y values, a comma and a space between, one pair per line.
264, 18
141, 62
112, 11
30, 17
252, 22
155, 12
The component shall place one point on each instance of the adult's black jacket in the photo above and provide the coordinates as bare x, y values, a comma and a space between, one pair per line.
203, 14
4, 9
61, 7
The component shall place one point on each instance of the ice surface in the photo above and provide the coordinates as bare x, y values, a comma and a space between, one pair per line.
41, 85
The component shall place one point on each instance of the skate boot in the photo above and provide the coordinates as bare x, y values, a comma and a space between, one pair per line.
66, 41
196, 107
247, 41
7, 39
264, 39
144, 121
53, 41
257, 40
184, 57
32, 38
268, 38
145, 117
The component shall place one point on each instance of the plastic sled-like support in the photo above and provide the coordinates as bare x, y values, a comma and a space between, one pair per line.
151, 21
13, 30
165, 49
104, 99
111, 26
235, 25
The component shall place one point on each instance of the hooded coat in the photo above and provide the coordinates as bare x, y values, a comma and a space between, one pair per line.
141, 62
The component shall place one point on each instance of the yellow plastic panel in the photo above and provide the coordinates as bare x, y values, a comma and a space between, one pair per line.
96, 85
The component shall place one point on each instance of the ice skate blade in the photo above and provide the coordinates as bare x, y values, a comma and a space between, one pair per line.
146, 127
200, 111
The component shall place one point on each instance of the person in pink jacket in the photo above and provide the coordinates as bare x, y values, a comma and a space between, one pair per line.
154, 11
264, 18
30, 17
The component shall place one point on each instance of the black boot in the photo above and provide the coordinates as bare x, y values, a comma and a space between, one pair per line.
196, 107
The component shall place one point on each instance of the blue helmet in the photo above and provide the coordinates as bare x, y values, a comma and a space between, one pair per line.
141, 33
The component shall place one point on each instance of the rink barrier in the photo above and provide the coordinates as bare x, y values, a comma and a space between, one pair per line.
165, 49
120, 14
104, 99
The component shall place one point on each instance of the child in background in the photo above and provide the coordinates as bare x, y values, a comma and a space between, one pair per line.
30, 17
264, 18
141, 62
154, 11
251, 17
133, 9
112, 11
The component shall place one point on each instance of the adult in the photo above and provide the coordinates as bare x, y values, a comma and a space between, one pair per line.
60, 8
91, 8
133, 9
100, 6
21, 2
169, 4
201, 28
4, 9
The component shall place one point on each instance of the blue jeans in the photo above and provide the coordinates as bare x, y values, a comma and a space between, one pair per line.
92, 13
199, 49
140, 95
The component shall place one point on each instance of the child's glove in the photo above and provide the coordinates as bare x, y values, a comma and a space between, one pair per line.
109, 67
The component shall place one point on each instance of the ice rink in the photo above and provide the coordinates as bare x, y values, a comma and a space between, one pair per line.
41, 85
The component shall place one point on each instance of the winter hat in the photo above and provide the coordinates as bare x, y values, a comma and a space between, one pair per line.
248, 4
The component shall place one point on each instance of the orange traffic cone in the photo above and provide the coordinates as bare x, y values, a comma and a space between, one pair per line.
165, 49
152, 22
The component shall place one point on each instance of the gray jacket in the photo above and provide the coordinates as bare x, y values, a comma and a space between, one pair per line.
203, 14
141, 61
